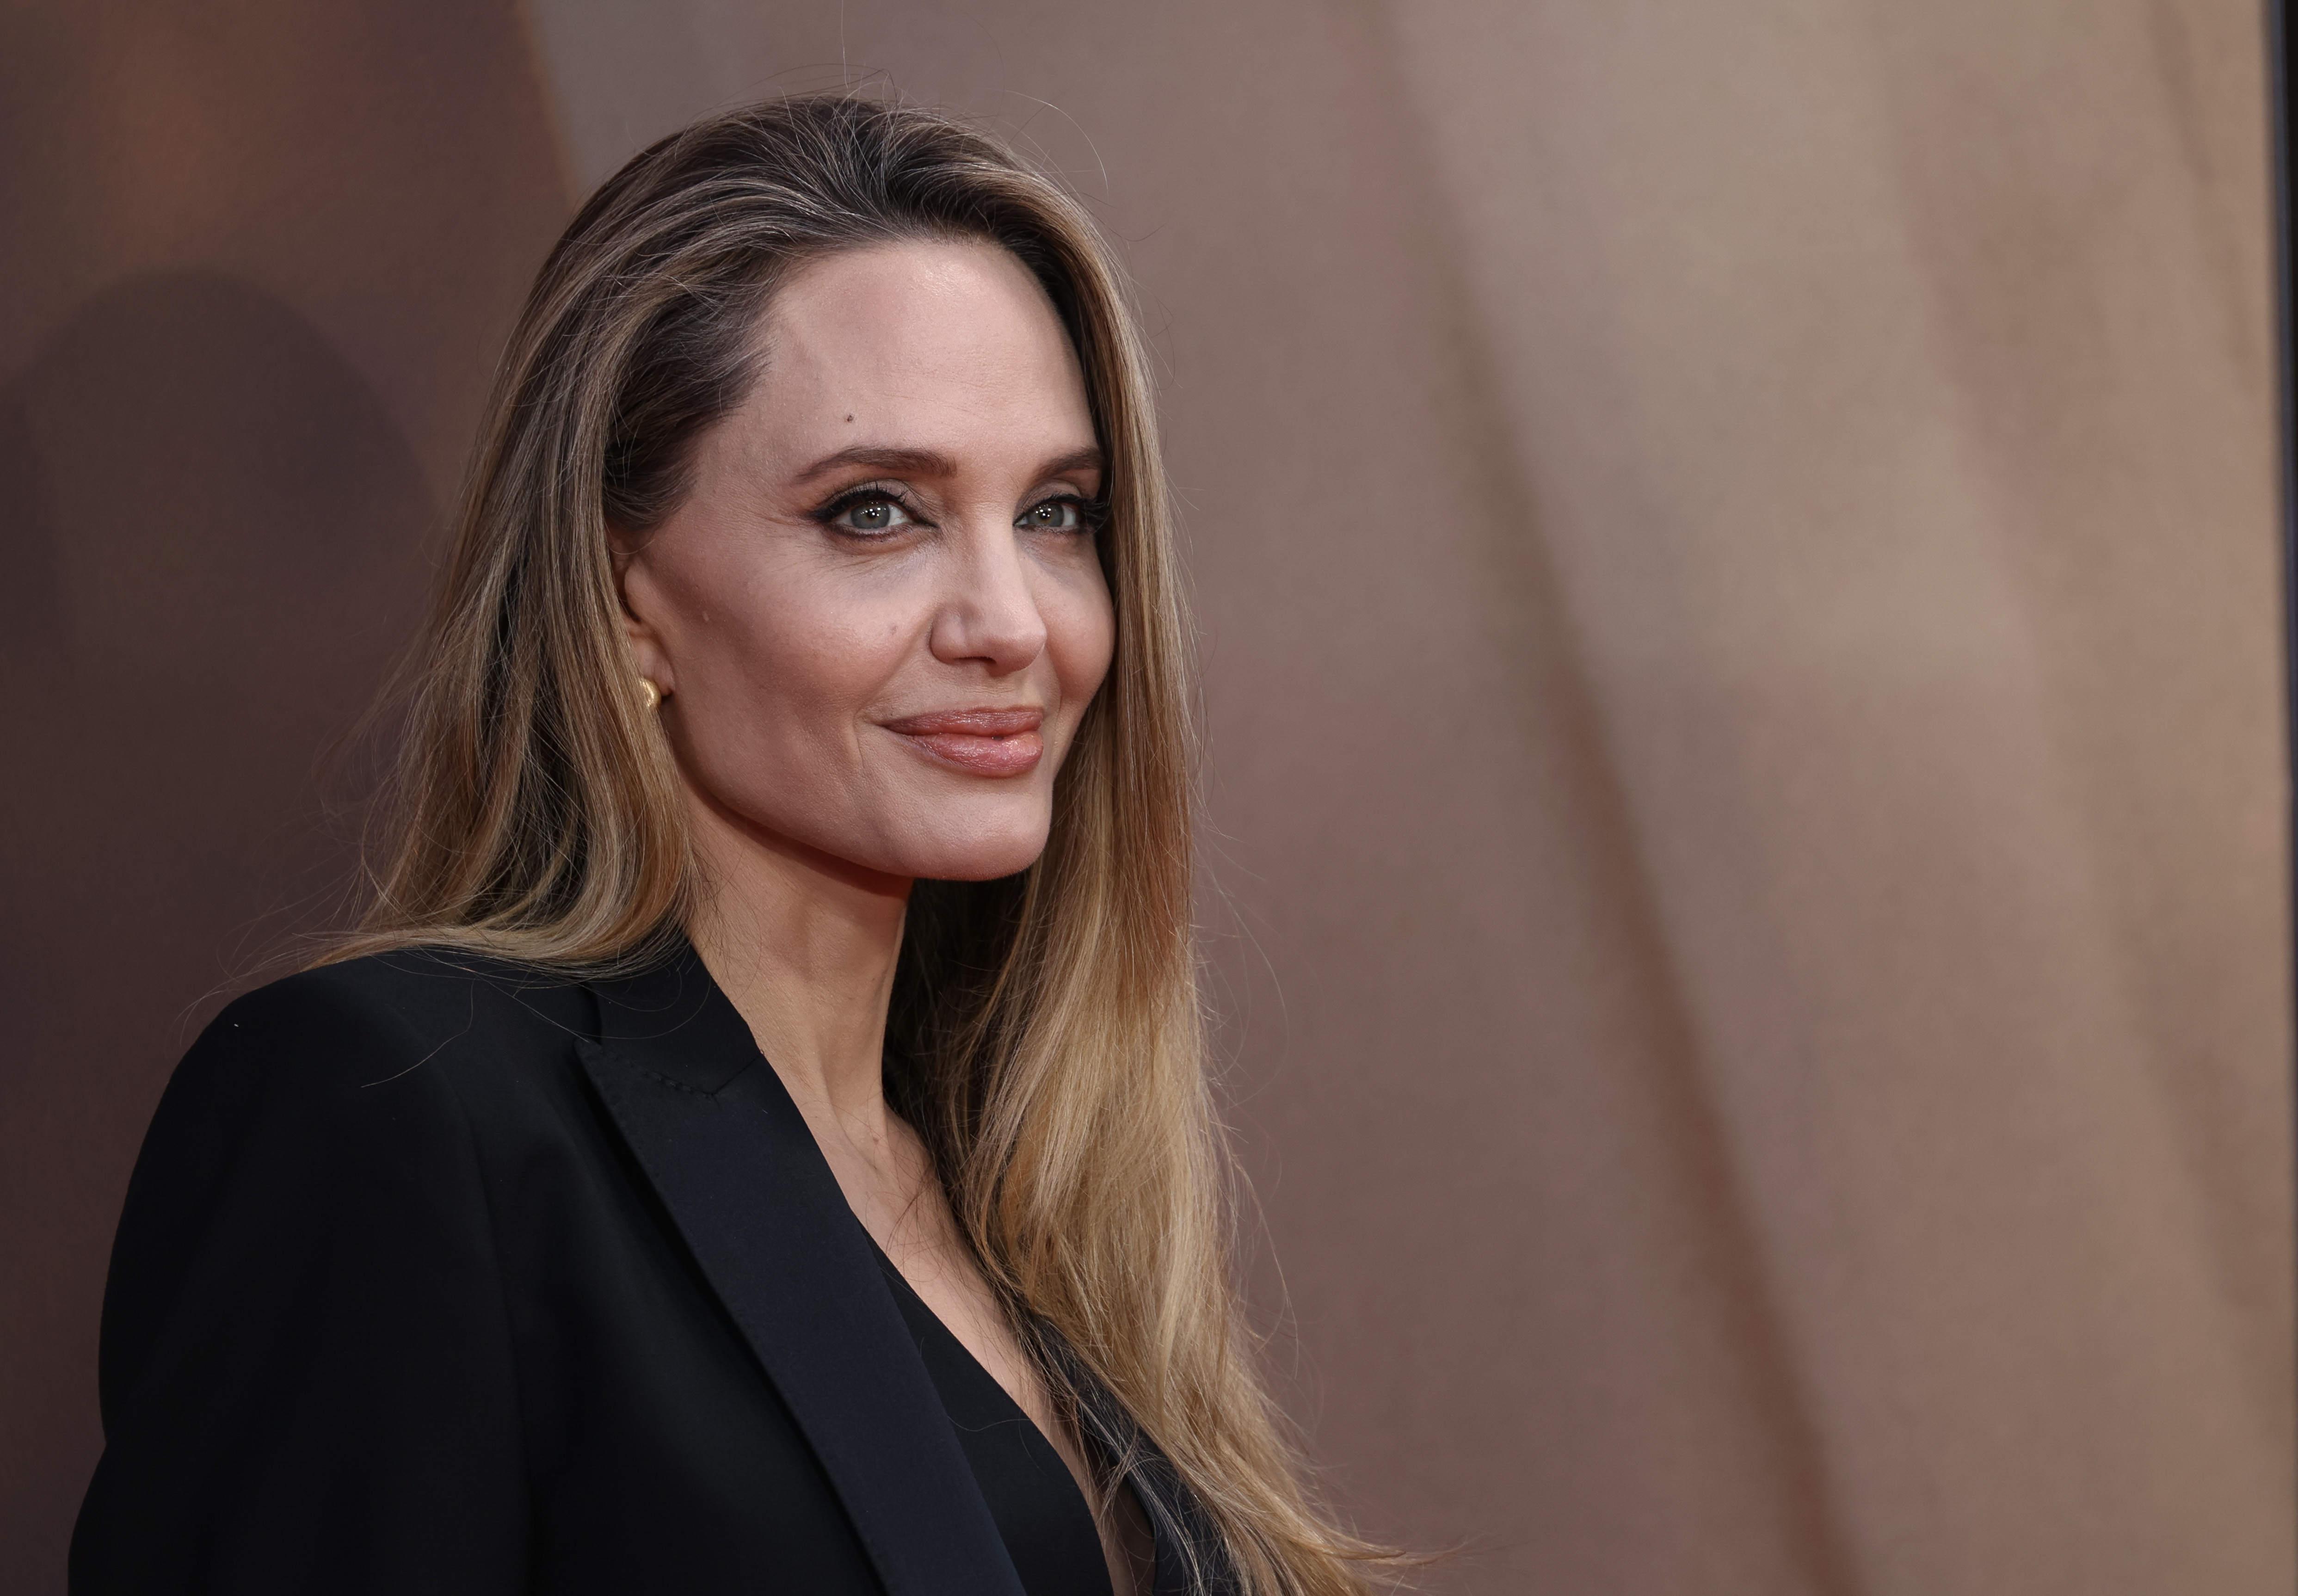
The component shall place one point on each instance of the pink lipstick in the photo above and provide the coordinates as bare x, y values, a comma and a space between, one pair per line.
983, 743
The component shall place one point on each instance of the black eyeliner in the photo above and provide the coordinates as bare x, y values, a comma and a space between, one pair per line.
1093, 514
865, 493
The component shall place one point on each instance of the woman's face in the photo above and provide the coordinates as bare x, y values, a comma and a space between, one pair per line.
878, 616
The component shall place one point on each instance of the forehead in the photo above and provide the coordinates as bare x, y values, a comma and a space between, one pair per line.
935, 344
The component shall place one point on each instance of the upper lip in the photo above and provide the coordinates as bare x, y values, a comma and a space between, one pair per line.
970, 722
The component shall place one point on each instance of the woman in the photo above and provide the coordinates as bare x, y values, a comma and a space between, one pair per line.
759, 1140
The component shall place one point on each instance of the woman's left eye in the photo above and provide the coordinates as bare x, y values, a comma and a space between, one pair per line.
1054, 515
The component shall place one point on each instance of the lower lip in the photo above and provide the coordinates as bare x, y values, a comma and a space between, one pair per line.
1015, 756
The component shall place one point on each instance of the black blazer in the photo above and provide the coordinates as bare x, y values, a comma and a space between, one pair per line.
439, 1276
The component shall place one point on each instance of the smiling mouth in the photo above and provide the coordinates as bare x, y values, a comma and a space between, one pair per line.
982, 743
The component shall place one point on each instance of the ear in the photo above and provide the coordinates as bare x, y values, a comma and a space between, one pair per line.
642, 598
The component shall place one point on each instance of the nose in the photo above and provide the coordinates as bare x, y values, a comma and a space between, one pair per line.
990, 616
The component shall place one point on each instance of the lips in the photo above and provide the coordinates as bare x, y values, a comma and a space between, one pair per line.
984, 742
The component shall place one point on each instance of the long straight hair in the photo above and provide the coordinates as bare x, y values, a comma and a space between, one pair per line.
1045, 1034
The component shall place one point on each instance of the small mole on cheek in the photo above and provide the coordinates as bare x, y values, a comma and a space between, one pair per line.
850, 418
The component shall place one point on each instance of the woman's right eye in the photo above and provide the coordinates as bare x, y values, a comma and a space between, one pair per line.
874, 513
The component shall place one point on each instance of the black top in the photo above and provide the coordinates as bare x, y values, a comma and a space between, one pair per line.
1041, 1516
436, 1275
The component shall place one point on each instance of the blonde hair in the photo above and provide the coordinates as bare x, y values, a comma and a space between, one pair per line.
1045, 1029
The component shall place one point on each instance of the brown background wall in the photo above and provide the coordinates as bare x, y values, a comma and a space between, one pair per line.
1736, 548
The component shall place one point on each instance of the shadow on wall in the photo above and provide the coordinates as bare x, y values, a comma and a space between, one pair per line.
211, 535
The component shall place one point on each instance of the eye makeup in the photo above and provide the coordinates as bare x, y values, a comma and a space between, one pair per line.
1078, 515
865, 497
1070, 512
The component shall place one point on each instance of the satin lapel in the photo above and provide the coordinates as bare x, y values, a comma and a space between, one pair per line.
734, 1162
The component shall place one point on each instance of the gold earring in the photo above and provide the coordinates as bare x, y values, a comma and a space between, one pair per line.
650, 693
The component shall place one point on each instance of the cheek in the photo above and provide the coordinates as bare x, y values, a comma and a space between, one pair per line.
1081, 639
781, 663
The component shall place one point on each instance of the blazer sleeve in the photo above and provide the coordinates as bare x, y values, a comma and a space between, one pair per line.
306, 1370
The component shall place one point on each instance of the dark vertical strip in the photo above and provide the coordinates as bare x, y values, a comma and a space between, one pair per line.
2278, 73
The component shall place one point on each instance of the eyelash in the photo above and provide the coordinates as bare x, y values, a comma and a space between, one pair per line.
1092, 514
869, 492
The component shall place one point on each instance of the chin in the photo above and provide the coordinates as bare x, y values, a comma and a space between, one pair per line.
986, 854
974, 835
977, 864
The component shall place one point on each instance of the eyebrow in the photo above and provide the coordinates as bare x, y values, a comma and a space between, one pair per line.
928, 462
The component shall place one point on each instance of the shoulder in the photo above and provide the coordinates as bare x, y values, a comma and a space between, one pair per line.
410, 1003
321, 1150
385, 1063
373, 1037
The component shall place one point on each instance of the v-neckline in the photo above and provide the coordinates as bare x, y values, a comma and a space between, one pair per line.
738, 1172
1048, 1525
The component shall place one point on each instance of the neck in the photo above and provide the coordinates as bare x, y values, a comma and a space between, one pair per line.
804, 945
